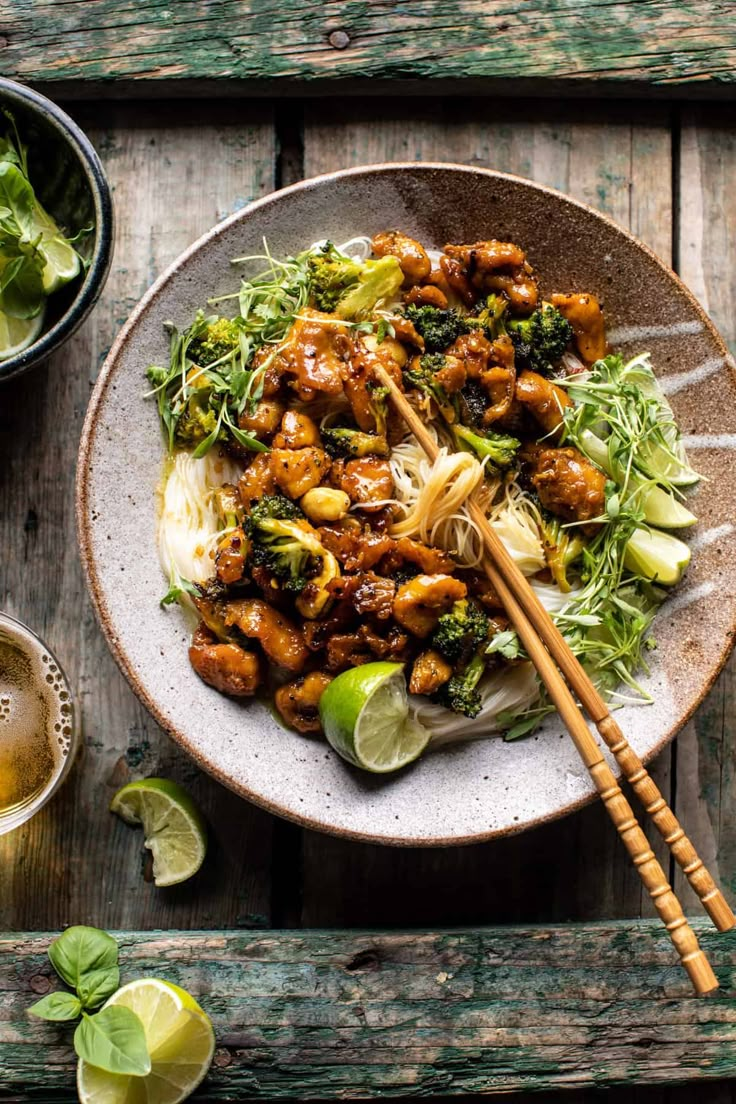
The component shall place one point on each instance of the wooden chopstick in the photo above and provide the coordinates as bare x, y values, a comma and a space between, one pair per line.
532, 624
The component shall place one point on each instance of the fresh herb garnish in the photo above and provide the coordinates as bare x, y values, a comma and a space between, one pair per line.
113, 1039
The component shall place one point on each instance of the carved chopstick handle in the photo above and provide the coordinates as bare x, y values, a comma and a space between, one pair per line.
646, 789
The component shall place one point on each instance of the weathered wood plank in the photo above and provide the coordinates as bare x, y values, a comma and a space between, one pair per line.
707, 261
576, 868
332, 1014
508, 45
75, 862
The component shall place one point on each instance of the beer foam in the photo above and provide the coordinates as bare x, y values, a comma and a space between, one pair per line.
36, 712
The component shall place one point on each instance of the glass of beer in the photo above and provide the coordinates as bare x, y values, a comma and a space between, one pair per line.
38, 732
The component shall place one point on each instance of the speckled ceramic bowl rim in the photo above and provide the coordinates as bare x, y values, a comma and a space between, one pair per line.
85, 538
96, 275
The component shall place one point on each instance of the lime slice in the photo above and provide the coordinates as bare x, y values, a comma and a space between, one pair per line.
657, 556
365, 716
16, 334
175, 831
62, 259
660, 507
62, 262
180, 1040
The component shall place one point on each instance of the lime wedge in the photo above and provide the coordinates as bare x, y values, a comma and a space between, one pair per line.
174, 829
62, 262
62, 259
181, 1043
365, 716
16, 334
656, 556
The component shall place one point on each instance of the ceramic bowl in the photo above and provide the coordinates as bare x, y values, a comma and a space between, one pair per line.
477, 790
70, 183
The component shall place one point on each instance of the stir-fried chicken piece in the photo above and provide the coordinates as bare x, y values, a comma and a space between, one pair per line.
498, 380
584, 314
406, 332
264, 421
481, 588
279, 637
544, 399
357, 549
430, 561
430, 671
452, 375
296, 470
257, 480
475, 351
412, 257
421, 601
567, 483
314, 353
226, 667
364, 392
297, 431
456, 280
298, 702
350, 649
367, 592
498, 266
367, 481
230, 557
427, 295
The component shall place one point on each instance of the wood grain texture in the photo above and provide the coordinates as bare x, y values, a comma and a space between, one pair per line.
577, 867
353, 1014
508, 45
706, 767
75, 862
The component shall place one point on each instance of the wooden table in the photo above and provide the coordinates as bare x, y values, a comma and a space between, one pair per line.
179, 159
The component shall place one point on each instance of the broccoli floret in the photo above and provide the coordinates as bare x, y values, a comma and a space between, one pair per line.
460, 632
285, 543
492, 318
460, 693
349, 288
342, 441
196, 422
219, 338
278, 542
562, 547
500, 449
541, 339
438, 327
423, 378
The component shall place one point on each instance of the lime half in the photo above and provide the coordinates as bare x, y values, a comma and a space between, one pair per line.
174, 829
365, 716
16, 334
180, 1041
657, 556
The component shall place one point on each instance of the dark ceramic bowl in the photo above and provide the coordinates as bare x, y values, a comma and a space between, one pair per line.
70, 183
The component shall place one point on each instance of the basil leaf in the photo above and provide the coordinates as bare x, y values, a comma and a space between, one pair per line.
97, 985
80, 951
56, 1006
113, 1040
17, 194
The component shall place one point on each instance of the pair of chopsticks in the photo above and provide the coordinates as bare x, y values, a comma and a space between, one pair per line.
562, 674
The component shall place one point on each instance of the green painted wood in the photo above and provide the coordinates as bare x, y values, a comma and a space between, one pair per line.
625, 45
322, 1015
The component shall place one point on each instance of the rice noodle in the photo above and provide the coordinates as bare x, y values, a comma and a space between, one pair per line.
506, 689
189, 527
